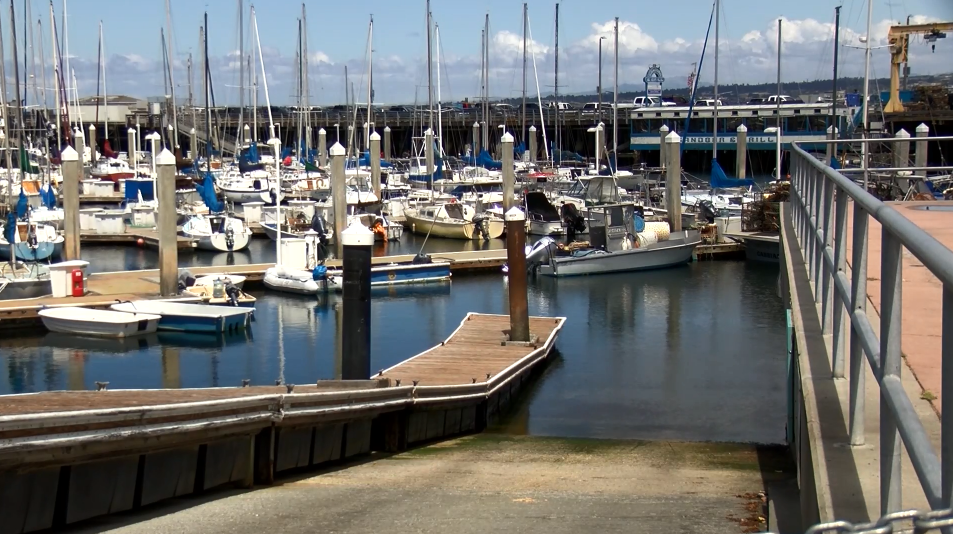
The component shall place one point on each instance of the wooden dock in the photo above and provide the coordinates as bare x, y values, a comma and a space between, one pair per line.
149, 237
73, 455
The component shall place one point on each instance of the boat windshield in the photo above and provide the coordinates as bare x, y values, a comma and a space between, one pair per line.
454, 211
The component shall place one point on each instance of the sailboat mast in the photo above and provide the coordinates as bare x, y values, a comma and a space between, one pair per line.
16, 76
370, 82
523, 120
171, 52
615, 105
486, 83
429, 72
482, 89
56, 80
865, 152
307, 89
241, 74
26, 49
556, 137
436, 31
205, 87
714, 134
834, 121
102, 51
300, 89
66, 72
777, 141
6, 121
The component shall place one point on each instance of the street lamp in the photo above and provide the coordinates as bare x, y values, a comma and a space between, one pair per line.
603, 38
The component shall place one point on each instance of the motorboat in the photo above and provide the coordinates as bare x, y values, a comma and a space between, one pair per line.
24, 281
32, 241
399, 274
453, 220
100, 323
208, 279
541, 216
217, 233
224, 295
384, 230
297, 226
620, 240
185, 317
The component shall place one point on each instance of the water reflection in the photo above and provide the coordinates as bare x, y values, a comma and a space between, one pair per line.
691, 353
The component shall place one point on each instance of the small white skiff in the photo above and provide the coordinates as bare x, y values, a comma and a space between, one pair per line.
101, 323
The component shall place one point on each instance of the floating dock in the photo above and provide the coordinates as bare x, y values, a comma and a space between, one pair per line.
73, 455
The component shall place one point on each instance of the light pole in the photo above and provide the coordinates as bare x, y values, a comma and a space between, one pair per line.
603, 38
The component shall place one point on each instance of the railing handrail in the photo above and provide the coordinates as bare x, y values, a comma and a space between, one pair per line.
934, 255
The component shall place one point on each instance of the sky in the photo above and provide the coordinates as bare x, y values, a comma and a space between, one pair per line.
670, 34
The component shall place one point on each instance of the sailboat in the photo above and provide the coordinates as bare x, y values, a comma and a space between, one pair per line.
216, 231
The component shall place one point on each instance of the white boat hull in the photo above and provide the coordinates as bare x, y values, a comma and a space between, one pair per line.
675, 251
220, 243
99, 323
551, 228
292, 281
451, 229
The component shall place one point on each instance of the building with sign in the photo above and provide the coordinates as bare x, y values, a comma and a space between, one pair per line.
653, 80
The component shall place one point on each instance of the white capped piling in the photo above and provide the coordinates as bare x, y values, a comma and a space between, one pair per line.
515, 221
350, 137
509, 174
920, 157
132, 150
246, 133
173, 142
322, 148
532, 144
387, 146
153, 138
367, 135
72, 174
357, 242
79, 143
194, 145
92, 143
307, 142
597, 131
663, 133
830, 152
428, 151
338, 195
901, 151
476, 138
673, 181
741, 154
375, 151
165, 225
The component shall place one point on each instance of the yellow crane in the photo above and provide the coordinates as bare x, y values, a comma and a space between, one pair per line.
899, 39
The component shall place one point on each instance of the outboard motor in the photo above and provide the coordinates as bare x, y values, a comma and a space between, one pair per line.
572, 220
707, 210
481, 226
539, 253
232, 291
229, 237
186, 280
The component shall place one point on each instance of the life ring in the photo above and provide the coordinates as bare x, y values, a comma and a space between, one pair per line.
392, 276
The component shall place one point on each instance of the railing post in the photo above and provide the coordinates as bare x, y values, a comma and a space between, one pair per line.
858, 304
826, 273
891, 295
805, 199
946, 399
840, 260
811, 205
815, 242
796, 193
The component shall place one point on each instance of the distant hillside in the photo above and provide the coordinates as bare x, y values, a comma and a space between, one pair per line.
741, 92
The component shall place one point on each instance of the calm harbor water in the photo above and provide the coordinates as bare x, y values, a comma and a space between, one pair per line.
692, 353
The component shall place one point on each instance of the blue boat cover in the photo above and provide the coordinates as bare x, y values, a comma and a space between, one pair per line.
134, 187
319, 272
206, 190
21, 205
720, 180
48, 194
483, 159
835, 164
10, 230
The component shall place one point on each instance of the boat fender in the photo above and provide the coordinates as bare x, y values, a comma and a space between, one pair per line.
320, 272
626, 243
31, 239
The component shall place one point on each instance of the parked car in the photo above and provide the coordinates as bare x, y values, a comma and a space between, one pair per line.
561, 106
591, 108
703, 102
785, 99
649, 101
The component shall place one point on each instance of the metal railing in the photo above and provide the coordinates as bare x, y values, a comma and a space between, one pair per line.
820, 197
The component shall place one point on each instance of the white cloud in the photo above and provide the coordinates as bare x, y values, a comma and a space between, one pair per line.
807, 53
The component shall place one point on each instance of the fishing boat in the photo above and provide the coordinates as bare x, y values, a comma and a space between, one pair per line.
620, 240
395, 274
32, 241
101, 323
453, 221
184, 317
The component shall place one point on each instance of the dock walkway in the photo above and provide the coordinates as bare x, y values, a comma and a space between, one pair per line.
73, 455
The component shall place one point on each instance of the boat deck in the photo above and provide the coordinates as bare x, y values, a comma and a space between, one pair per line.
475, 352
